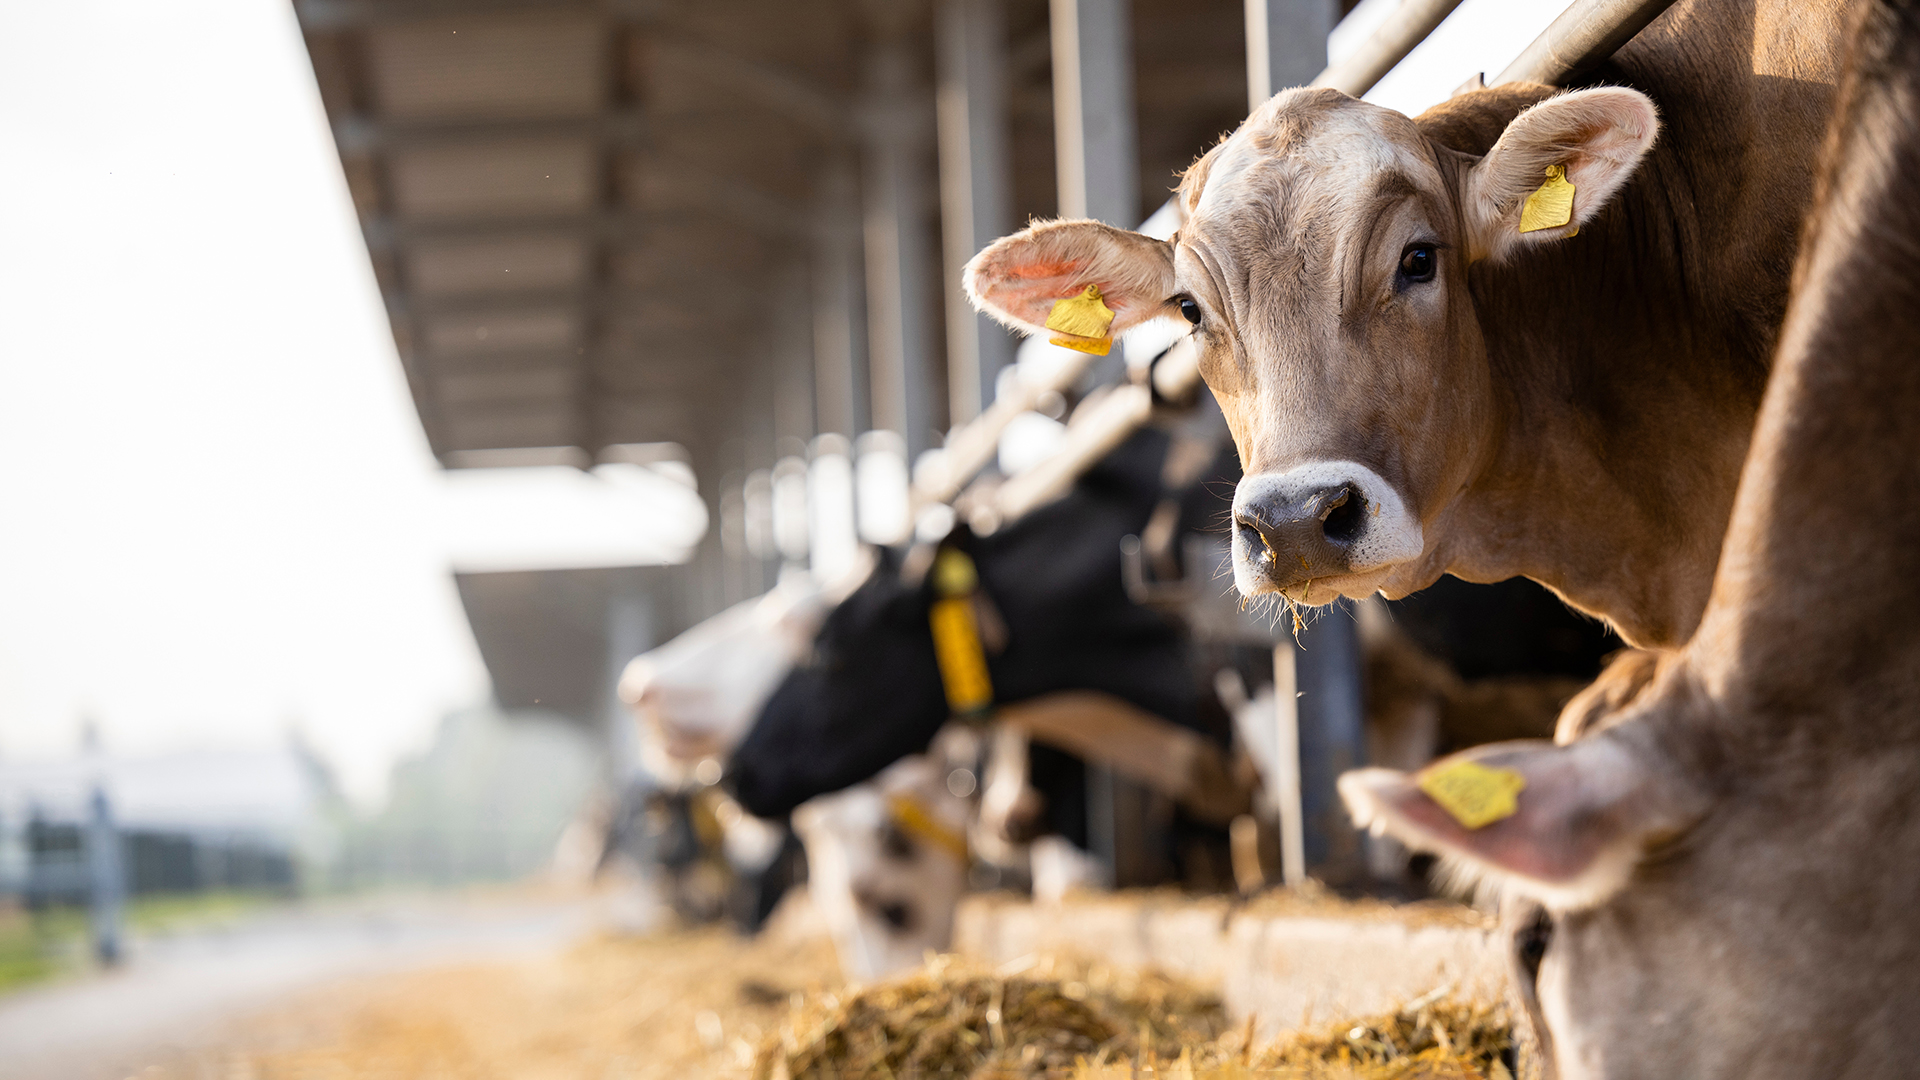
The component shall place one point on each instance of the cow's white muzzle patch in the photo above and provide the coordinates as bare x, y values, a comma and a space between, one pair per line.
1325, 522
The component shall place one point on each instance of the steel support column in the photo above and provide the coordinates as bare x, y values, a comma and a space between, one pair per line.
1286, 45
899, 253
1333, 738
836, 305
1095, 148
1097, 162
974, 183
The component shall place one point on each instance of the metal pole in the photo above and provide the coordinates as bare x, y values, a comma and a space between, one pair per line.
793, 360
1098, 171
1286, 765
974, 182
1404, 29
1585, 34
1286, 45
897, 250
629, 619
1093, 119
835, 302
1103, 820
106, 880
1332, 737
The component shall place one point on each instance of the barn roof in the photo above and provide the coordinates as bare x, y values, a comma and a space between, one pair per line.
595, 223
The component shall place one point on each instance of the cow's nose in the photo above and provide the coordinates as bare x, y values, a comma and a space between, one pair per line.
1306, 533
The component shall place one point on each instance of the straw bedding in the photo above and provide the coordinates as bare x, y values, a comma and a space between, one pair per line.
695, 1004
952, 1019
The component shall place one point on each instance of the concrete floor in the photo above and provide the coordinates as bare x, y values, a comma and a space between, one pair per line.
180, 991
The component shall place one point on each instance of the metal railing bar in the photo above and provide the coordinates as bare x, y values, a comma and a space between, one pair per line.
1403, 31
1584, 35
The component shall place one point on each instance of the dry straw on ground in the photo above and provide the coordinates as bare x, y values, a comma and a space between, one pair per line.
1044, 1020
687, 1005
680, 1005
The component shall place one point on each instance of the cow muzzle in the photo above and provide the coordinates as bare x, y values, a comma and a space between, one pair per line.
1332, 524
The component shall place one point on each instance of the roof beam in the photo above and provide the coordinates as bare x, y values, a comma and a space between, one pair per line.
320, 15
363, 134
670, 204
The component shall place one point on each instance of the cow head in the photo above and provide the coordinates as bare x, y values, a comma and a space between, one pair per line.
1585, 951
1682, 895
1323, 265
1054, 616
695, 696
887, 863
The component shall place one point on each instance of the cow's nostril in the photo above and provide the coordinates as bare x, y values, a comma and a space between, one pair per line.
1344, 517
1251, 534
898, 915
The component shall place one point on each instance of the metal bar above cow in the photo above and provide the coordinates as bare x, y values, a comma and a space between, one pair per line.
1403, 31
1585, 34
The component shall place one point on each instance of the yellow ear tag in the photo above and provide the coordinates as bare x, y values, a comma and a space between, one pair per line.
1474, 794
956, 634
1551, 205
1082, 321
912, 817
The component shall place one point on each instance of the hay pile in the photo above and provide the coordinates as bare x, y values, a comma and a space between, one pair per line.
953, 1019
956, 1019
1431, 1039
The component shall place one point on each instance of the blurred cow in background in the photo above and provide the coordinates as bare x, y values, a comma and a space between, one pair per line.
832, 700
697, 695
694, 698
887, 859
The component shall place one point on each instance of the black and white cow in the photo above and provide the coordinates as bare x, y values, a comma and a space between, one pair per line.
871, 692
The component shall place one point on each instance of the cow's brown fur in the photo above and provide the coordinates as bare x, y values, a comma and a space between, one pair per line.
1577, 411
1765, 787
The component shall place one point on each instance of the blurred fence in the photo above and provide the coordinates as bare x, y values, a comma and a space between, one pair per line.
54, 867
48, 863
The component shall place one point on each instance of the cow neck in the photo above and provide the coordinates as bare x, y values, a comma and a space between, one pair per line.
1811, 626
1625, 412
1631, 358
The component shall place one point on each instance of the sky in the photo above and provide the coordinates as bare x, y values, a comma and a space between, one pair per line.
219, 519
218, 515
1481, 36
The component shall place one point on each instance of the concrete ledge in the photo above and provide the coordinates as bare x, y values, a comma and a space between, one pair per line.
1164, 931
1288, 963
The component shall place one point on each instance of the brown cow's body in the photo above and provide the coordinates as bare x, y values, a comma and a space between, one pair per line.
1729, 864
1570, 408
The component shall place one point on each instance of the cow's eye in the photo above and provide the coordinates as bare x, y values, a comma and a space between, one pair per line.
1189, 310
1418, 263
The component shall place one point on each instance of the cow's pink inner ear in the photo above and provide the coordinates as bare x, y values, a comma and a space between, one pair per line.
1572, 841
1018, 279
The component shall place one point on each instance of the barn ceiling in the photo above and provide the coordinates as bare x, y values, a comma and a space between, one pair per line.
592, 222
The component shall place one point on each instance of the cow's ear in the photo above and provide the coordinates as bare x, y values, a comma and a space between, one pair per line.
1593, 138
1018, 278
1578, 819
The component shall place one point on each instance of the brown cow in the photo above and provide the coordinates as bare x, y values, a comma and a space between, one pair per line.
1416, 387
1729, 866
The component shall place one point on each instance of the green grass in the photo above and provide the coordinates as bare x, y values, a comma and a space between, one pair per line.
190, 911
48, 944
39, 946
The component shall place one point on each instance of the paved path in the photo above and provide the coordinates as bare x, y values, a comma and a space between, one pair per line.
176, 991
